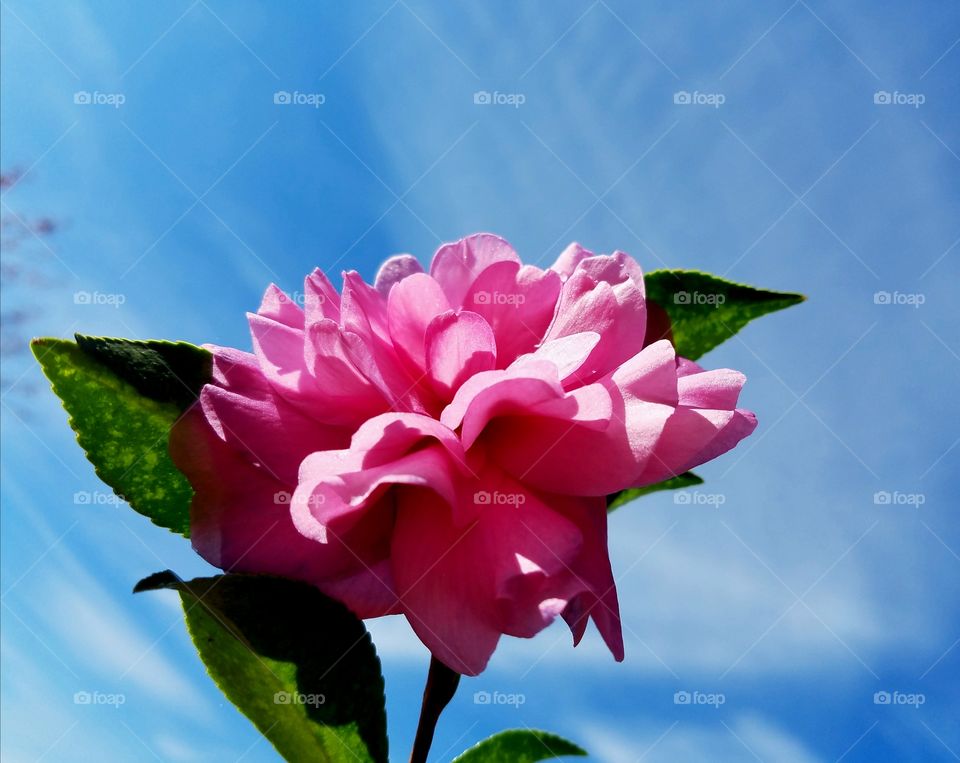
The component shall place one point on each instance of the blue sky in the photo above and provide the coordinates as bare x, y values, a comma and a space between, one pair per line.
797, 598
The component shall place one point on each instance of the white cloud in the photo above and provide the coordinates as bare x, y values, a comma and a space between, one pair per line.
746, 738
99, 639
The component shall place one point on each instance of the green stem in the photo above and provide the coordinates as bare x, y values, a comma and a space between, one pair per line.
441, 686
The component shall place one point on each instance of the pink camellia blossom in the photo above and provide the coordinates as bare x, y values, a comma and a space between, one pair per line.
440, 445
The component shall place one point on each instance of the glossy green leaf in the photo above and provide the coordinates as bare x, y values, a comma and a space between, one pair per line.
123, 397
172, 372
299, 665
687, 479
519, 746
706, 310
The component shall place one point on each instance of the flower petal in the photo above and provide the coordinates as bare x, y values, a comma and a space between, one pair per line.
457, 265
280, 307
459, 345
321, 299
604, 294
569, 259
517, 302
448, 604
411, 306
243, 524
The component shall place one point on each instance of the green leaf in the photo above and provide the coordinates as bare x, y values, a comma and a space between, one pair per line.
172, 372
299, 665
687, 479
123, 397
519, 746
706, 310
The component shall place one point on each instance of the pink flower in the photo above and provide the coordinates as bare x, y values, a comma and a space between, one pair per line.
441, 445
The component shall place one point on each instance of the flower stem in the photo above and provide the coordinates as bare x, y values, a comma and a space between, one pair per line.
441, 685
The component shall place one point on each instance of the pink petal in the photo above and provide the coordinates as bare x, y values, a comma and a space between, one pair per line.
517, 302
592, 569
278, 306
268, 430
530, 555
321, 299
711, 389
457, 265
568, 353
500, 393
342, 393
459, 345
240, 519
280, 352
368, 344
383, 441
331, 494
570, 457
363, 310
604, 294
435, 570
705, 425
411, 306
569, 259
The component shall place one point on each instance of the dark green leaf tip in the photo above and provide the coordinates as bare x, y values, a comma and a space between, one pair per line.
164, 371
706, 310
520, 746
158, 581
687, 479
